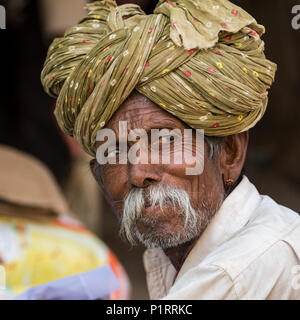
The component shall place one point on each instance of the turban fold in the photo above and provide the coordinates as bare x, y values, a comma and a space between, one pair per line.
200, 60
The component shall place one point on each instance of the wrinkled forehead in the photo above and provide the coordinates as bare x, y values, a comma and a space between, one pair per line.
141, 113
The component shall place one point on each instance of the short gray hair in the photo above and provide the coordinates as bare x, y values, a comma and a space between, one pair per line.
214, 145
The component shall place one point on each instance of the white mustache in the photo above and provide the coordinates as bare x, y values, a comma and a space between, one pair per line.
155, 195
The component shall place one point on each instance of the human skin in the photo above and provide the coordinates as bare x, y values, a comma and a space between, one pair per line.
209, 187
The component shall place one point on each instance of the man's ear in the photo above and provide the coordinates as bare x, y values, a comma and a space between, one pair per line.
232, 155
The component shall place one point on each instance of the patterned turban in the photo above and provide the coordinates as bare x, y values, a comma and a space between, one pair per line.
201, 60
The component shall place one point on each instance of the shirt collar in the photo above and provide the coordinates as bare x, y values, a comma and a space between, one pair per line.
234, 213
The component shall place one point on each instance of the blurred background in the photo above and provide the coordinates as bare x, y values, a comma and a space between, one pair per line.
27, 122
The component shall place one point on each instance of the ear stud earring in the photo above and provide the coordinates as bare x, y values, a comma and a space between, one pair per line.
228, 183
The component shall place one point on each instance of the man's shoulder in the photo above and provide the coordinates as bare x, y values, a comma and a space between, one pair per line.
265, 250
248, 252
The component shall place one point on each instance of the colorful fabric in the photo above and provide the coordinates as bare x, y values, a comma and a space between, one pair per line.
201, 60
94, 284
34, 253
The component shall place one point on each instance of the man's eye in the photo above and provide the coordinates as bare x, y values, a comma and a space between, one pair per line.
112, 153
167, 139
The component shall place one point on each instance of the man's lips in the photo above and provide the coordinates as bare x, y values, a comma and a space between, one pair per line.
152, 210
154, 217
164, 213
147, 203
149, 218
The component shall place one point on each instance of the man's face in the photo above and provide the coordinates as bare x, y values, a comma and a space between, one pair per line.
159, 204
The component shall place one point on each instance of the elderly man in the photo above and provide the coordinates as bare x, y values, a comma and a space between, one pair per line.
190, 64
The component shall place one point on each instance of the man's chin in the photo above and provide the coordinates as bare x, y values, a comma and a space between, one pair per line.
163, 241
156, 230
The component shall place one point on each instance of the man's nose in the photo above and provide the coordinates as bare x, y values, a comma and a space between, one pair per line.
143, 175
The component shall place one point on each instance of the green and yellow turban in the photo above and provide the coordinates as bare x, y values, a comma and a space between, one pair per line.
201, 60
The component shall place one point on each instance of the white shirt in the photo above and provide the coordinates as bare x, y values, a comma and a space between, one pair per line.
250, 250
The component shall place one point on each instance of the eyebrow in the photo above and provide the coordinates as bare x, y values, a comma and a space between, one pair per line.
163, 123
118, 141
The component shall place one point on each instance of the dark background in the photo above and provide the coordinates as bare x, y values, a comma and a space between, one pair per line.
27, 121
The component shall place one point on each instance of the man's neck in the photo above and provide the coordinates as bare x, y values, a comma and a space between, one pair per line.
178, 254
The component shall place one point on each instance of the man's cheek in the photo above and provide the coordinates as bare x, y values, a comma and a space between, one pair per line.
115, 178
118, 209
